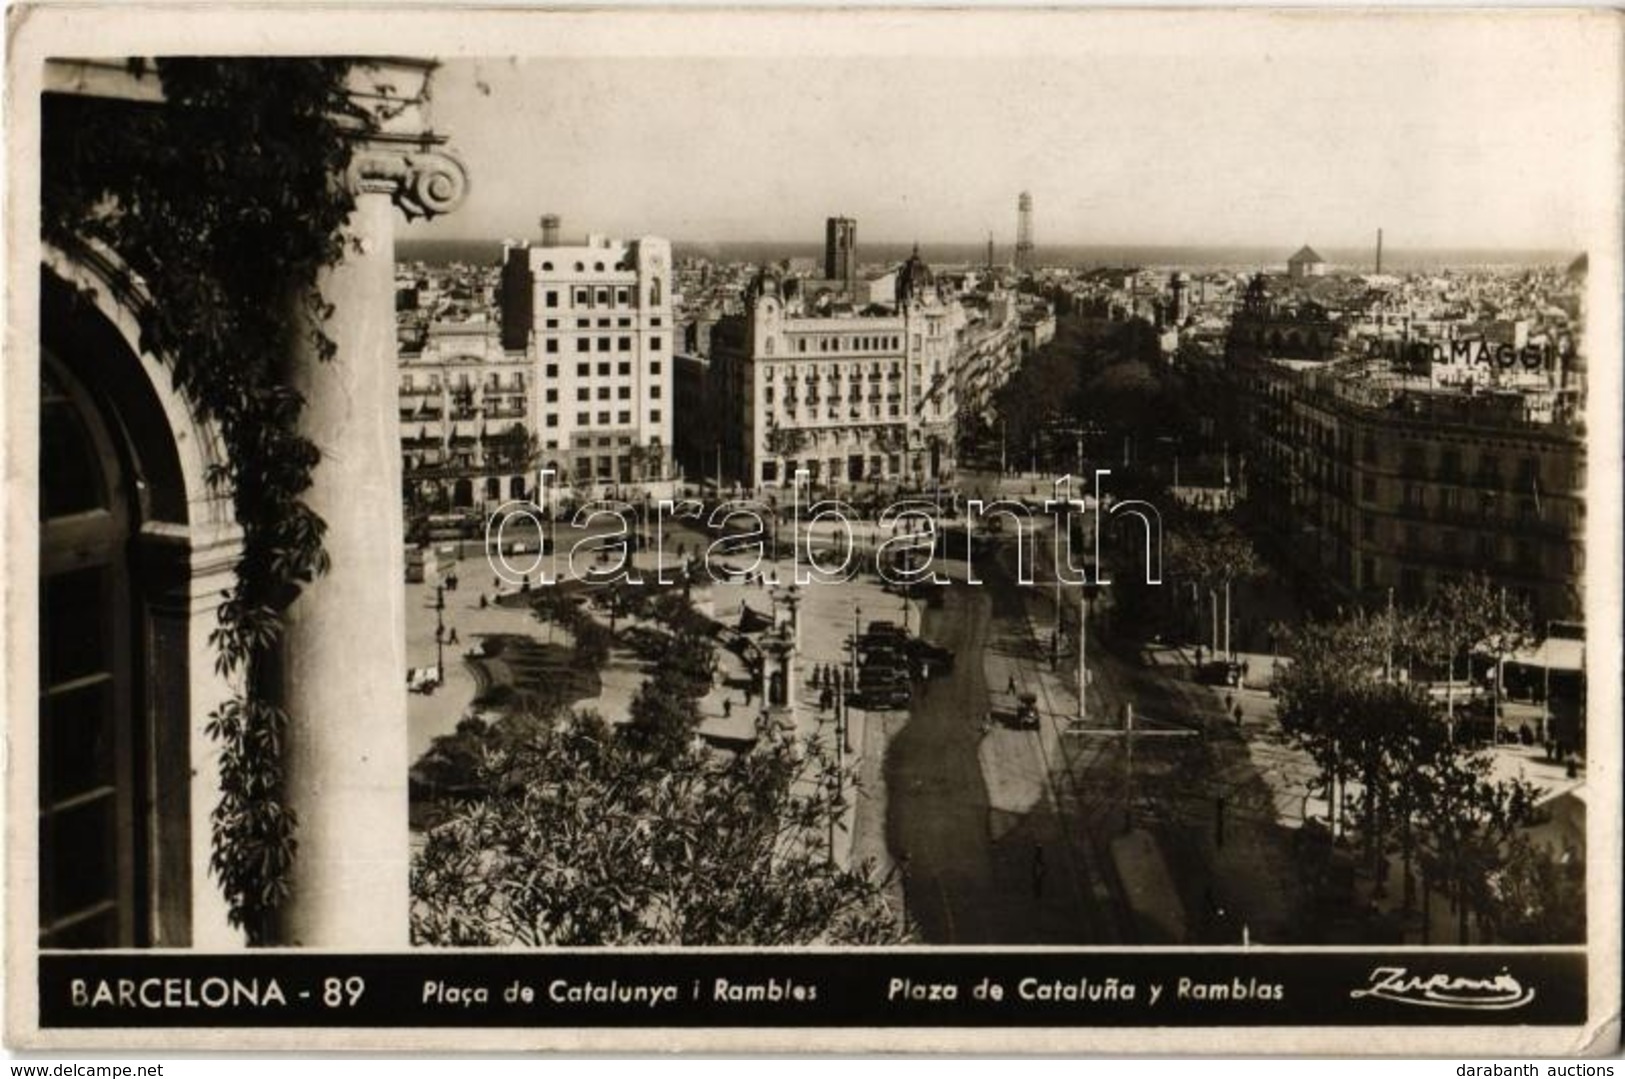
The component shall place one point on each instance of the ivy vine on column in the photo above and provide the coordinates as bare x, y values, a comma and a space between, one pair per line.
227, 201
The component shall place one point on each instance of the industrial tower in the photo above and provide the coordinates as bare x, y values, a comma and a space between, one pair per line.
1024, 231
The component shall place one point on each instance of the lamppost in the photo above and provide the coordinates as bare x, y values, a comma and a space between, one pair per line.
857, 613
439, 632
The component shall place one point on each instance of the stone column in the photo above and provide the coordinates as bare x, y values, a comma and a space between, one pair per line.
344, 655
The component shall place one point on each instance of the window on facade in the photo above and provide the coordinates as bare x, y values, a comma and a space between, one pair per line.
583, 345
552, 299
622, 296
1368, 488
552, 395
654, 415
603, 370
654, 391
624, 393
654, 367
655, 343
603, 419
603, 344
583, 419
1368, 527
603, 393
623, 368
583, 394
603, 296
583, 370
552, 345
623, 417
581, 297
624, 344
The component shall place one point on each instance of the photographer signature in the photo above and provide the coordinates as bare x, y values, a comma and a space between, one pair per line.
1398, 984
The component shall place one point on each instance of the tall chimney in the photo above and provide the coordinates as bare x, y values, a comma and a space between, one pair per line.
1379, 251
550, 230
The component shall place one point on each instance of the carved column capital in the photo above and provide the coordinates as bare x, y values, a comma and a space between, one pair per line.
422, 181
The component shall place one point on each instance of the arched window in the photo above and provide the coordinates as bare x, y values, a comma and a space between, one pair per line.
547, 266
654, 292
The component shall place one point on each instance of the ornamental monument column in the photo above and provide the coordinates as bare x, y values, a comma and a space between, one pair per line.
344, 653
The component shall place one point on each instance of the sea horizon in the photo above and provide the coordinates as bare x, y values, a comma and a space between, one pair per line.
1080, 256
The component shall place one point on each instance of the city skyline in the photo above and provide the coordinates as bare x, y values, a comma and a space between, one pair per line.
1149, 132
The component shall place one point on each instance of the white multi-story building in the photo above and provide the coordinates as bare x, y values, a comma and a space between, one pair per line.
851, 399
597, 319
467, 411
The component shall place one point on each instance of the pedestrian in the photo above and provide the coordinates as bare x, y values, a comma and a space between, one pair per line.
727, 707
749, 690
482, 601
1038, 870
1011, 688
453, 638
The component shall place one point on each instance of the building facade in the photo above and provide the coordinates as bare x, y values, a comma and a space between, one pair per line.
853, 400
1388, 476
467, 419
597, 320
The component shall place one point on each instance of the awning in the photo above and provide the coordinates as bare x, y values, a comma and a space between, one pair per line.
1554, 653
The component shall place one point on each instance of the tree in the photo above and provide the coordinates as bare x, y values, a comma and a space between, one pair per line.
783, 442
514, 450
1471, 613
1538, 897
1468, 821
584, 840
1212, 553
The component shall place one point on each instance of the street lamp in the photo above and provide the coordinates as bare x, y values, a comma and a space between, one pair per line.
439, 632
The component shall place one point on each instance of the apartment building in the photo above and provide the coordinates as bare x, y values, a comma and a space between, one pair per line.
853, 399
596, 319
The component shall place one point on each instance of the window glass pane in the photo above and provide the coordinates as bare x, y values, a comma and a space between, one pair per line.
78, 857
71, 480
100, 931
73, 623
77, 742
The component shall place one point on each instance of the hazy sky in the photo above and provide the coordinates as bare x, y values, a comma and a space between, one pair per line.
1466, 130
